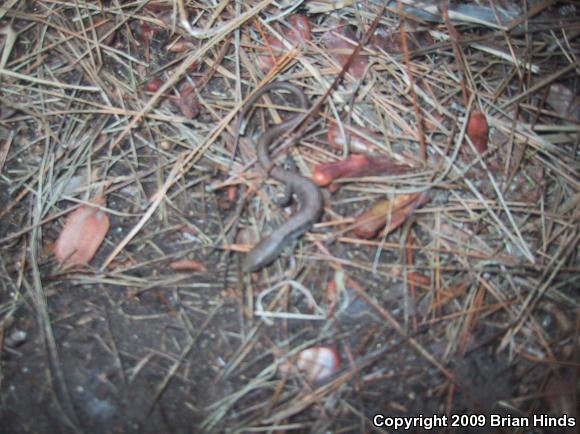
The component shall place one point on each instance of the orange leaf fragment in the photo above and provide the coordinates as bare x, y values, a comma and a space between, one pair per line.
82, 234
477, 131
325, 173
356, 166
187, 265
394, 212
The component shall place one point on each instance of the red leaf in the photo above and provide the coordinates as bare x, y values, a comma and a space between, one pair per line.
324, 174
300, 29
145, 32
477, 131
154, 84
356, 166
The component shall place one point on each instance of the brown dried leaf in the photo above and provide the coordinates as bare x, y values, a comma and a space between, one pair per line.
188, 102
153, 84
145, 31
477, 131
325, 173
82, 234
188, 265
394, 212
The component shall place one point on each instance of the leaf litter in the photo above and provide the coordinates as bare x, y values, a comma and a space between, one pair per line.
452, 127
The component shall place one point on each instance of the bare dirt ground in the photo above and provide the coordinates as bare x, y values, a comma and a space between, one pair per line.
463, 300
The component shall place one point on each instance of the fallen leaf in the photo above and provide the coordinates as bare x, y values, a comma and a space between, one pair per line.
188, 265
325, 173
394, 212
180, 46
357, 166
341, 42
298, 34
145, 32
477, 131
154, 84
300, 27
188, 102
82, 234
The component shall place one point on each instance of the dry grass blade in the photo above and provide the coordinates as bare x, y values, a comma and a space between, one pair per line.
36, 80
6, 7
7, 45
